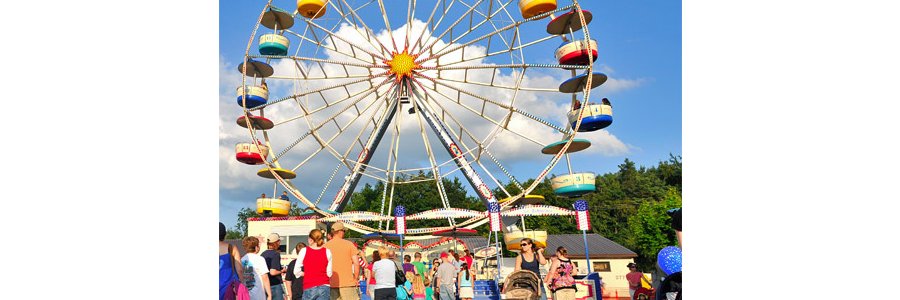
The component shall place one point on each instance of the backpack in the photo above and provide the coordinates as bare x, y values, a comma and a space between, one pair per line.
236, 290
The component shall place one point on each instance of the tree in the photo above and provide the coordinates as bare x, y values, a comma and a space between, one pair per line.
242, 217
650, 228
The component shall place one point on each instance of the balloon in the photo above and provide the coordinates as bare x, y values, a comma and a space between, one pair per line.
669, 259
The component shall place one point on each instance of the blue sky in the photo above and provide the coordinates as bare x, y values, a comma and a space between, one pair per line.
639, 48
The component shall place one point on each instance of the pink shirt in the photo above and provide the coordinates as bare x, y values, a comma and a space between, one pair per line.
634, 278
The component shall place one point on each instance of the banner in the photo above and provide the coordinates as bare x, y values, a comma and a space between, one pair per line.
582, 216
494, 212
400, 219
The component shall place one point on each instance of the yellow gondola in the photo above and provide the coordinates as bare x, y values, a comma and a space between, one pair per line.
531, 8
513, 239
312, 9
277, 207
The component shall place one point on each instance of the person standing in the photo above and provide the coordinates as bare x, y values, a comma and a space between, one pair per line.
634, 279
404, 291
370, 287
446, 278
256, 277
560, 276
314, 264
465, 283
273, 260
467, 258
345, 282
229, 263
419, 266
383, 271
532, 259
294, 283
407, 265
432, 276
418, 288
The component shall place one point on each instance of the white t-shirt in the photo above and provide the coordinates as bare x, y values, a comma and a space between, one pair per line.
384, 272
259, 267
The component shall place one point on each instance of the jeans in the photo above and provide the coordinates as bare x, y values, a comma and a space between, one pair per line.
448, 292
322, 292
278, 292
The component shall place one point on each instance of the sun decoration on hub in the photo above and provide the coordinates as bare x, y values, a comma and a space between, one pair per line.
402, 64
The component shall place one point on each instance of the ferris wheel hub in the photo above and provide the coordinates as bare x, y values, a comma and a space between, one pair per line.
402, 64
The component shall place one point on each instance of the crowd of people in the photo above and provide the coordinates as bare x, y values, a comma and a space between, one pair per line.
332, 270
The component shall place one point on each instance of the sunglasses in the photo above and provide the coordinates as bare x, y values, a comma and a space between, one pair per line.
524, 244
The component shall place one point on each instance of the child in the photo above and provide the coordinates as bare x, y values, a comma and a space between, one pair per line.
418, 288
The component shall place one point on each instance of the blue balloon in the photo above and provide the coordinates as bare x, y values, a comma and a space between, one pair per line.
669, 259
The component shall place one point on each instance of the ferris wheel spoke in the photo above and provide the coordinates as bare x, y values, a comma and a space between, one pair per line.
329, 119
481, 147
370, 34
449, 29
470, 30
333, 48
330, 87
332, 34
340, 200
498, 52
516, 24
508, 66
498, 104
435, 171
481, 115
387, 25
429, 22
326, 144
440, 130
512, 88
319, 60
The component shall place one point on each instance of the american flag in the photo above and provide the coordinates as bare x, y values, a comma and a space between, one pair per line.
494, 211
581, 214
400, 219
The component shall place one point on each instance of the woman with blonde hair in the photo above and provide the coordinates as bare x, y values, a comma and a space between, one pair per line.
314, 265
384, 271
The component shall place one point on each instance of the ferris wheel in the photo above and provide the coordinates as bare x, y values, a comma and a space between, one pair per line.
343, 91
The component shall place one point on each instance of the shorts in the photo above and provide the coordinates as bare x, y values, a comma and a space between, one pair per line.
345, 293
466, 292
564, 294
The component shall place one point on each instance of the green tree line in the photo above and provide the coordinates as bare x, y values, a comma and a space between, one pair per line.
629, 206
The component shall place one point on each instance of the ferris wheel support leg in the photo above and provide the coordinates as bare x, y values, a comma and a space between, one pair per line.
364, 156
440, 130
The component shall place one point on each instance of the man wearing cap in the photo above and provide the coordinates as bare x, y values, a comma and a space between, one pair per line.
345, 278
446, 278
273, 260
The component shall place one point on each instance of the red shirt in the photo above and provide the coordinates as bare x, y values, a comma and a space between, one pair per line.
315, 263
634, 278
468, 261
371, 280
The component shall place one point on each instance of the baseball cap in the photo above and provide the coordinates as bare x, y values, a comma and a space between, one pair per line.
444, 255
273, 237
337, 226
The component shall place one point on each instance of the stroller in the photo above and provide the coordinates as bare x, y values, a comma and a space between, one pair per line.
522, 285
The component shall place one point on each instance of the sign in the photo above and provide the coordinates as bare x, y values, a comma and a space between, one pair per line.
400, 219
582, 216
